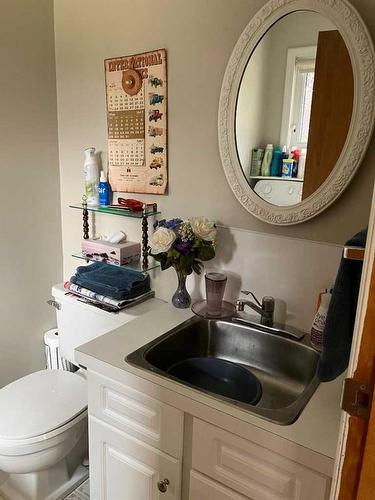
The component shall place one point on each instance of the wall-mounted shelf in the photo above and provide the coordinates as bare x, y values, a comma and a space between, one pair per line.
274, 178
135, 266
114, 211
142, 215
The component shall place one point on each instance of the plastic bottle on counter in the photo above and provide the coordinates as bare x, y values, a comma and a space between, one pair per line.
267, 160
319, 323
91, 173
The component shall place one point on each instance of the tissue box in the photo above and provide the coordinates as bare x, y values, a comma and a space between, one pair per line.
118, 254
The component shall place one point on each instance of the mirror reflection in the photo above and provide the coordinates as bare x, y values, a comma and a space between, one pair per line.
294, 108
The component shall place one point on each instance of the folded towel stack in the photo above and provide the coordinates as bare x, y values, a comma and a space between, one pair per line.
114, 287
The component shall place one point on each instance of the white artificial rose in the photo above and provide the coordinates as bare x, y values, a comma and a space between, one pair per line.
162, 240
203, 228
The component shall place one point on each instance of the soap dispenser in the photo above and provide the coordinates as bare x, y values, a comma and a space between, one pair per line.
91, 173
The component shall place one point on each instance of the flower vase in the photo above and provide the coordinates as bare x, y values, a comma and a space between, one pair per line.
181, 298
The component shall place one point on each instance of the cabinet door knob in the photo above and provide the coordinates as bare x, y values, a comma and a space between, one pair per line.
163, 485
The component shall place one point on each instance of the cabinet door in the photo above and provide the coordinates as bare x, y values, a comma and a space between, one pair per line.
203, 488
123, 468
257, 472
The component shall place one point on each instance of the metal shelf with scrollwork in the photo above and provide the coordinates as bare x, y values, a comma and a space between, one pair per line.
143, 215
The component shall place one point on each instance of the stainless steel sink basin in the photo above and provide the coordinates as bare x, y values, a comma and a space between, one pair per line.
285, 367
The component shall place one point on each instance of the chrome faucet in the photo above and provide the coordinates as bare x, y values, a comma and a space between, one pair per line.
266, 308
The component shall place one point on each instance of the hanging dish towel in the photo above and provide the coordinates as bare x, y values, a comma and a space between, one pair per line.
111, 281
338, 332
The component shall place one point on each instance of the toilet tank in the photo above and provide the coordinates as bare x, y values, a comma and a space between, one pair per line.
79, 322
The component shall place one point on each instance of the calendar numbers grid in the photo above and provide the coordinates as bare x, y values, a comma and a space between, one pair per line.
120, 101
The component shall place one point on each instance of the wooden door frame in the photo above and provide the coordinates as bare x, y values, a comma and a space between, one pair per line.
347, 468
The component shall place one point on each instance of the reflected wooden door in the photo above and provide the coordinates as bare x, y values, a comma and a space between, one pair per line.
331, 109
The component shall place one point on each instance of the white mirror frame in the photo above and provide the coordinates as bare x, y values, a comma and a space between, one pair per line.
361, 50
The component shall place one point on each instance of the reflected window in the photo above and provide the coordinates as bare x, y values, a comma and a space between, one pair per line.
298, 93
302, 99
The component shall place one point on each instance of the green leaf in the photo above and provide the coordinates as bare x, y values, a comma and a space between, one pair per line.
197, 266
206, 252
166, 264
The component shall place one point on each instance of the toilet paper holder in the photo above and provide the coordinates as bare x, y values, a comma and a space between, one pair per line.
54, 304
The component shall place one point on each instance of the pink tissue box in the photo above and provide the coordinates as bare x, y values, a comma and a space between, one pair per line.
118, 254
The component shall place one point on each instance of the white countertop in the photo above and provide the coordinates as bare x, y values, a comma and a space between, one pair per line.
317, 428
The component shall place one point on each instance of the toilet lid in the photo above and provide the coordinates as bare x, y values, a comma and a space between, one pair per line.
40, 402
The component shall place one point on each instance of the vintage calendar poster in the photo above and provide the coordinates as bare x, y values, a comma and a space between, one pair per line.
136, 89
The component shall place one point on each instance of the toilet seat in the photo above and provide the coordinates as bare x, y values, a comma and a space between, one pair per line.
40, 406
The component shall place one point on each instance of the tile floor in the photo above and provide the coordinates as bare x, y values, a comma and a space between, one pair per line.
81, 493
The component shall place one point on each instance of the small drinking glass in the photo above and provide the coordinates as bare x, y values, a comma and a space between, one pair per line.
215, 286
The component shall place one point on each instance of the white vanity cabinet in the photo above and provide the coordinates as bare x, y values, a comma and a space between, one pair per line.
122, 468
140, 449
135, 443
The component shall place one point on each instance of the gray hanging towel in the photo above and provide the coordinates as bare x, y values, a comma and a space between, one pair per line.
338, 332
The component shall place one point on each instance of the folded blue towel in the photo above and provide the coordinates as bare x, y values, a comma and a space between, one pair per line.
111, 281
338, 332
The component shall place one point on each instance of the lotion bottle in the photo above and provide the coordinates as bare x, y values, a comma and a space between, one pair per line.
91, 173
319, 323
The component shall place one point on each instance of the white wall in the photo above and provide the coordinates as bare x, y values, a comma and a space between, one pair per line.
292, 270
250, 106
199, 37
30, 252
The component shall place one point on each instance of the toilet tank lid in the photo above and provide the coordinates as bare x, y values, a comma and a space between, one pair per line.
40, 402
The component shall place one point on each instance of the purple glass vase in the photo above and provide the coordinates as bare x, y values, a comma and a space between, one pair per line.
181, 298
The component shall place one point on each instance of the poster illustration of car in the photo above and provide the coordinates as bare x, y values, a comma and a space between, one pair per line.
136, 92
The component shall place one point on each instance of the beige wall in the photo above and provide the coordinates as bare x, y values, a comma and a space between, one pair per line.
30, 252
199, 36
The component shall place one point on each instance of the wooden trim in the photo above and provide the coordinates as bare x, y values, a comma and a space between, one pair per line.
349, 425
367, 479
353, 458
358, 428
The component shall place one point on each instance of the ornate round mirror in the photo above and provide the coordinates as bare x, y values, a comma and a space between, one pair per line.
297, 108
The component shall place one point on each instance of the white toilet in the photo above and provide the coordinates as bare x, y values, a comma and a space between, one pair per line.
43, 416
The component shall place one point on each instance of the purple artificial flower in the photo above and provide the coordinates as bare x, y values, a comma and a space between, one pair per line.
173, 223
183, 247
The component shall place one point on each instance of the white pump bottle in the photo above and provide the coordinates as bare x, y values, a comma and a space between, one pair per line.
91, 172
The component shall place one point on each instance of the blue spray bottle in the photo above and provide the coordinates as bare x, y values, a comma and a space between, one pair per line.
104, 190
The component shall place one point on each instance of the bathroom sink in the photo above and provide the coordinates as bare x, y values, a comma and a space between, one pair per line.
285, 368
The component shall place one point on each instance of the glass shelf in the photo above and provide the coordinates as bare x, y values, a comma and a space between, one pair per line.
275, 178
135, 266
115, 211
